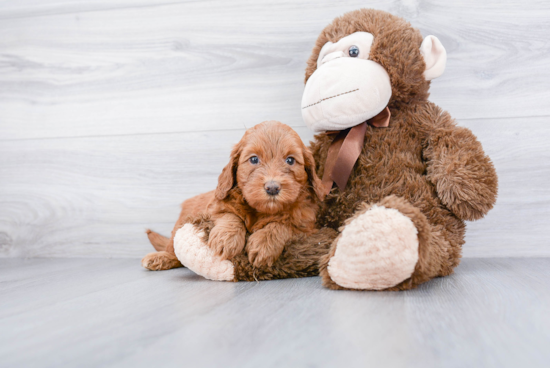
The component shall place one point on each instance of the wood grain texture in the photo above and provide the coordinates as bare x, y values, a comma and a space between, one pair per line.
112, 313
114, 112
107, 68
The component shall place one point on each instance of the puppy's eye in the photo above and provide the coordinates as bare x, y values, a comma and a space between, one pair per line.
353, 51
254, 160
290, 160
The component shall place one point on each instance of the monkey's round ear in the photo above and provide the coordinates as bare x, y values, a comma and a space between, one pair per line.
435, 57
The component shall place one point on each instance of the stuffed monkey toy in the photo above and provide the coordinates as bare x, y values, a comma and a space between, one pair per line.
400, 177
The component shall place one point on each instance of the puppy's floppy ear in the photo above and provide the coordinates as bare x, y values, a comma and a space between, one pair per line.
227, 179
314, 181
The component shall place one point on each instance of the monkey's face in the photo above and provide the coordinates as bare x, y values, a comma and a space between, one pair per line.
364, 61
347, 88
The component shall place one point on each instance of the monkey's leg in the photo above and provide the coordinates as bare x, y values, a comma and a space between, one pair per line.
387, 246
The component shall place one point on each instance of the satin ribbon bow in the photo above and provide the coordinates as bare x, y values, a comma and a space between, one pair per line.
345, 150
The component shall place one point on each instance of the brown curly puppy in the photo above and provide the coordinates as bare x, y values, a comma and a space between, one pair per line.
269, 189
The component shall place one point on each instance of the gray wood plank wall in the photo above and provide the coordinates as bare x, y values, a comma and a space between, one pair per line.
114, 111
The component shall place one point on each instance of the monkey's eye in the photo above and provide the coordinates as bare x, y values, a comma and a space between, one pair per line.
353, 51
290, 160
254, 160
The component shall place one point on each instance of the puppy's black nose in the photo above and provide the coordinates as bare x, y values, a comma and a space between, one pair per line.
272, 187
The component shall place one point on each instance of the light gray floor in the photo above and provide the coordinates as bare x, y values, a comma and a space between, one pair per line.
111, 312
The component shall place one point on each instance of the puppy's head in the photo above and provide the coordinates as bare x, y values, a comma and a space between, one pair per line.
272, 167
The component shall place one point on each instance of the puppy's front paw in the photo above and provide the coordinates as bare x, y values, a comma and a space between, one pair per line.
225, 242
158, 261
261, 250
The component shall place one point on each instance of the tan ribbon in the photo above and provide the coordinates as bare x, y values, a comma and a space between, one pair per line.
345, 150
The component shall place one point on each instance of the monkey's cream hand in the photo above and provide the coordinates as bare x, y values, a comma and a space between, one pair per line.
265, 246
228, 236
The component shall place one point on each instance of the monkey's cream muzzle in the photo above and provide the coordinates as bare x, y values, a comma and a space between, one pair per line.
344, 92
347, 88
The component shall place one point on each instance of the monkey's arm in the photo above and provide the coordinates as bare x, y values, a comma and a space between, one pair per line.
463, 175
228, 236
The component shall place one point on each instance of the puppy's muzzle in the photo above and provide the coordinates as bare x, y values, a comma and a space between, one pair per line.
272, 188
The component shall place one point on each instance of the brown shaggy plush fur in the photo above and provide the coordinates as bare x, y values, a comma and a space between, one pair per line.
423, 165
269, 154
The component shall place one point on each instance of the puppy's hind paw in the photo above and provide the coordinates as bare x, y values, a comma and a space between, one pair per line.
158, 261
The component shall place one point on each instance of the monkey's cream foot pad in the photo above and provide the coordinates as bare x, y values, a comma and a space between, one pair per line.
195, 254
377, 250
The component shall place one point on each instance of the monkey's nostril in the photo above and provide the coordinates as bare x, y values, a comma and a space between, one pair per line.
272, 187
